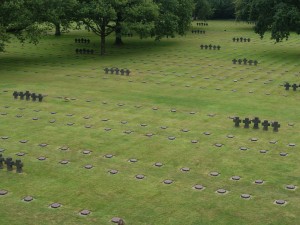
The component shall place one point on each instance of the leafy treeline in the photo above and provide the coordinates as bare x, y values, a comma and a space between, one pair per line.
28, 19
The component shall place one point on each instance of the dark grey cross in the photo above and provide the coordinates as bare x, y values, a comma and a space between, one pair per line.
214, 47
250, 62
248, 39
294, 86
122, 71
117, 71
106, 70
246, 122
201, 46
9, 164
275, 126
240, 61
210, 46
33, 97
205, 46
19, 166
236, 121
22, 95
245, 61
234, 61
287, 86
245, 39
15, 94
255, 122
40, 97
27, 94
233, 39
255, 62
127, 72
265, 124
218, 47
111, 70
241, 39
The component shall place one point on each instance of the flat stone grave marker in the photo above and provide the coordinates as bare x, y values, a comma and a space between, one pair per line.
132, 160
3, 192
263, 151
185, 169
283, 154
235, 178
64, 148
139, 176
221, 191
43, 145
84, 212
258, 181
171, 138
218, 145
280, 202
168, 181
21, 154
198, 187
253, 139
214, 174
163, 127
194, 141
113, 171
88, 166
116, 219
108, 156
290, 187
64, 162
41, 158
28, 199
55, 205
23, 141
86, 152
107, 129
245, 196
158, 164
52, 121
292, 144
230, 136
243, 148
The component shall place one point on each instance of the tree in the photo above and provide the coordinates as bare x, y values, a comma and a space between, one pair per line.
280, 16
175, 16
203, 10
17, 19
104, 17
223, 9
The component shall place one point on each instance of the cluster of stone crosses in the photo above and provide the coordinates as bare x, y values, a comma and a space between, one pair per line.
287, 86
84, 51
241, 39
82, 40
198, 31
27, 95
202, 24
210, 47
256, 121
117, 71
10, 163
245, 61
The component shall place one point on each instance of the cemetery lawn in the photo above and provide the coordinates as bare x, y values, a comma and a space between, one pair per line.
203, 86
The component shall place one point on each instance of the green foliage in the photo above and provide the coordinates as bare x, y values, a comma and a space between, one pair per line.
203, 10
280, 17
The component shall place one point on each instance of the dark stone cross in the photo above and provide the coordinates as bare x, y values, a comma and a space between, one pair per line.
201, 46
122, 71
241, 39
2, 160
256, 121
240, 61
234, 61
117, 71
246, 122
127, 72
245, 39
214, 47
233, 39
40, 97
33, 97
265, 124
210, 46
106, 70
287, 86
248, 39
111, 70
275, 126
205, 46
22, 95
255, 62
294, 86
9, 164
19, 165
250, 62
245, 61
15, 94
236, 121
27, 94
218, 47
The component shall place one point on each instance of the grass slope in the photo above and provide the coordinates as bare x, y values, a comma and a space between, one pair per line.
170, 74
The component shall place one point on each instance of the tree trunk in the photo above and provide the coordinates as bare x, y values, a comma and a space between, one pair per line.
57, 29
118, 31
102, 44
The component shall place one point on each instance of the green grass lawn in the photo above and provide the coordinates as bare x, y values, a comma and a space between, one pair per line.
203, 86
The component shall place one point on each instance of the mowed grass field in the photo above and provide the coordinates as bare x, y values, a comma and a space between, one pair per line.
175, 89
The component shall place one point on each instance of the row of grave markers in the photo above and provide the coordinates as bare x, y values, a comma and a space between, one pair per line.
294, 86
245, 61
82, 40
198, 31
241, 39
256, 121
10, 163
27, 96
202, 24
117, 71
210, 47
84, 51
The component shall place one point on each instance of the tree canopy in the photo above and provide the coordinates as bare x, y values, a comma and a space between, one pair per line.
279, 16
